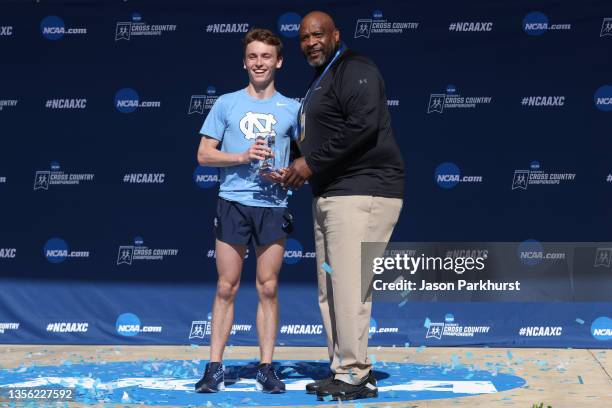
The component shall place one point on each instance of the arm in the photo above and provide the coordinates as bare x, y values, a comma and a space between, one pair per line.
209, 155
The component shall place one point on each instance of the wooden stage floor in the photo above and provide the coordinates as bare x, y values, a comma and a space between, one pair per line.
555, 377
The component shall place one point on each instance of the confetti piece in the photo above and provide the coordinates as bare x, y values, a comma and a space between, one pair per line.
509, 353
455, 361
287, 370
420, 349
579, 320
373, 358
405, 293
289, 193
327, 268
402, 304
470, 375
427, 323
125, 397
469, 354
580, 380
195, 346
406, 345
327, 398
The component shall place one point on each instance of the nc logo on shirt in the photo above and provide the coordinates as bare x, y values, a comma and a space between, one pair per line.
255, 124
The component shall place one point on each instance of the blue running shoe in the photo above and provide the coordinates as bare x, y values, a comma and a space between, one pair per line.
213, 379
268, 381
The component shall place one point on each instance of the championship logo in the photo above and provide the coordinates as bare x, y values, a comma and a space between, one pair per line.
603, 257
520, 179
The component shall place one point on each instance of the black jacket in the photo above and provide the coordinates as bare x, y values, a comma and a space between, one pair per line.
349, 143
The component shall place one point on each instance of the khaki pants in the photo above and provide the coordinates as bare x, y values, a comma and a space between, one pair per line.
341, 224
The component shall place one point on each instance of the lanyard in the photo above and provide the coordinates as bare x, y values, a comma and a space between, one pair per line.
320, 77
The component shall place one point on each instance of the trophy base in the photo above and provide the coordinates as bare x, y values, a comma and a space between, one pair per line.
267, 170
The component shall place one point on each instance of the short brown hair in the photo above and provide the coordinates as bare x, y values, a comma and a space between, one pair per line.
265, 36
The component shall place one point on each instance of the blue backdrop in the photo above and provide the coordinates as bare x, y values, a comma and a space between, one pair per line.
106, 234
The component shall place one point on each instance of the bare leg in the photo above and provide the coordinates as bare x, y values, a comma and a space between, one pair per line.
269, 261
229, 268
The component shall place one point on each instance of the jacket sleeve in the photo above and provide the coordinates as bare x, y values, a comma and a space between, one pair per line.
359, 89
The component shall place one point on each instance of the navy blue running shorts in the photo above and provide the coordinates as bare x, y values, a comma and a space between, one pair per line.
240, 224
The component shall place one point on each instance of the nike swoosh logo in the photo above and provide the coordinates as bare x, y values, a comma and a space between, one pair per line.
317, 88
280, 104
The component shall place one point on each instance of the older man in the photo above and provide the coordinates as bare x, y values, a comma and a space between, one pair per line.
356, 172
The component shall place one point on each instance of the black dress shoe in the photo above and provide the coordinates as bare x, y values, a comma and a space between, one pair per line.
313, 387
339, 390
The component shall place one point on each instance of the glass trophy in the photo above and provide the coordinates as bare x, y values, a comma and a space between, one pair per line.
268, 164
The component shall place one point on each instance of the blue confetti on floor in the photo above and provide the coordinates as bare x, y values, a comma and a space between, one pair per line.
171, 382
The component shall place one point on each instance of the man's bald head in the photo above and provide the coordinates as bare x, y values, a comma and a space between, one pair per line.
321, 18
319, 38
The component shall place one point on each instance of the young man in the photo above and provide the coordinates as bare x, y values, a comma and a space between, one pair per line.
252, 207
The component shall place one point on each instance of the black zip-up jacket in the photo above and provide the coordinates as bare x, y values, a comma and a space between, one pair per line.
349, 144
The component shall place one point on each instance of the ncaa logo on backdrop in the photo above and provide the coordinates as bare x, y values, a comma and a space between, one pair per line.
56, 250
128, 324
127, 100
601, 328
206, 177
365, 27
374, 329
289, 24
531, 252
603, 98
53, 28
294, 252
200, 103
606, 27
447, 175
536, 23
